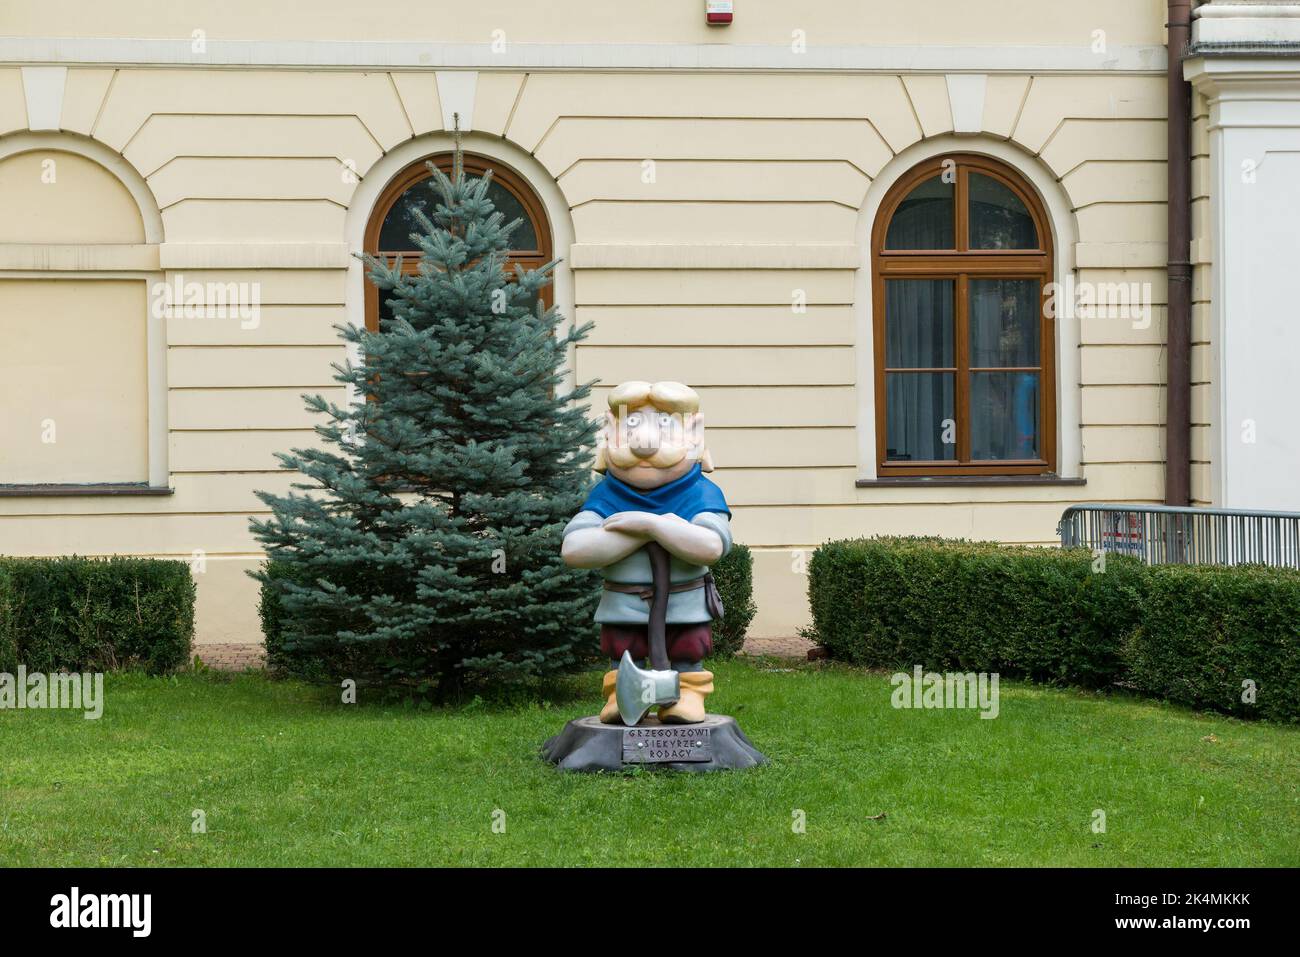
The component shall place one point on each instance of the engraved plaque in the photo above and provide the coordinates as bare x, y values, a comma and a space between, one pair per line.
656, 744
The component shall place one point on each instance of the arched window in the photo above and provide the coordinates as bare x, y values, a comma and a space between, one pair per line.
82, 412
391, 224
963, 343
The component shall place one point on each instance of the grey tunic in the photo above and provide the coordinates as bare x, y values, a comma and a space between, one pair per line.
684, 608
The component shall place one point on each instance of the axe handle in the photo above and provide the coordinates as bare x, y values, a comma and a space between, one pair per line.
656, 629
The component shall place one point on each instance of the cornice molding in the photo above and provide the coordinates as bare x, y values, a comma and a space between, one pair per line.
600, 57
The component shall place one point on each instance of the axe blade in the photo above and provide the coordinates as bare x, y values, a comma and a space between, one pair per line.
637, 690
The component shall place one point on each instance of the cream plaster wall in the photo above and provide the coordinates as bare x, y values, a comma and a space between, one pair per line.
76, 383
952, 22
762, 187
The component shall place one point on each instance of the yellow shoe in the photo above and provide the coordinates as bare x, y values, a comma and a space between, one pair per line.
689, 708
609, 714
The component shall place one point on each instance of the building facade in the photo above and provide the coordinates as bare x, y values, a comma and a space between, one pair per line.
915, 263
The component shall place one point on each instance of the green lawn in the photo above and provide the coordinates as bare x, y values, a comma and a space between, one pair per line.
288, 776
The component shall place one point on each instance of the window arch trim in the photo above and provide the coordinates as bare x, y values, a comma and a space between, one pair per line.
960, 264
475, 165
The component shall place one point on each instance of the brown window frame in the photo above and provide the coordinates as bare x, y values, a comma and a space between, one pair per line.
475, 165
960, 265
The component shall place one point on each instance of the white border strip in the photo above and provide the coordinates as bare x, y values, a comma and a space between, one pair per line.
716, 256
400, 54
1249, 10
73, 257
254, 256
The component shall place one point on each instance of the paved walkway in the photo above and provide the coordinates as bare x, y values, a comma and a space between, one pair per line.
240, 657
232, 657
778, 647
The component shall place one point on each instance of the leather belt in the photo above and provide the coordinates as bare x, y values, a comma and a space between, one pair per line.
647, 592
712, 600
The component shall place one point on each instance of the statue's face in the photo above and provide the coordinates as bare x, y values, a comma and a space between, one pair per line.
647, 448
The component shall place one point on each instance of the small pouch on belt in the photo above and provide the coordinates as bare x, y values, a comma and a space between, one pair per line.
712, 599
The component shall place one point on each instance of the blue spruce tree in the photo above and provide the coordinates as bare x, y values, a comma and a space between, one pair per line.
423, 552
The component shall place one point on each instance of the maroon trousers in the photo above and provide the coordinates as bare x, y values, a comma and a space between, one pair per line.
684, 642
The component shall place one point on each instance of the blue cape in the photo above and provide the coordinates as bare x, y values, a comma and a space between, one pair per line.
686, 496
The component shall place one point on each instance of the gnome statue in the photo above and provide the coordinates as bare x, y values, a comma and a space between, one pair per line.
653, 525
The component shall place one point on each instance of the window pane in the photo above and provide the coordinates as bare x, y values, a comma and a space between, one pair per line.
919, 323
1004, 322
920, 415
998, 219
924, 220
1004, 415
395, 233
525, 235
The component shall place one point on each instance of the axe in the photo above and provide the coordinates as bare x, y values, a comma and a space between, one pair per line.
636, 690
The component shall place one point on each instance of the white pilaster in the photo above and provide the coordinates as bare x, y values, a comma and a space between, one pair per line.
1255, 211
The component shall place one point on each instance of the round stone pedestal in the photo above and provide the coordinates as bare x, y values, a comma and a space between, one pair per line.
715, 744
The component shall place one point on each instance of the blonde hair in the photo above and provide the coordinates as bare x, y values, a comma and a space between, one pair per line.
664, 396
675, 397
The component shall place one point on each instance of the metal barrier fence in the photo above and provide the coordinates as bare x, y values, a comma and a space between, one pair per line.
1164, 534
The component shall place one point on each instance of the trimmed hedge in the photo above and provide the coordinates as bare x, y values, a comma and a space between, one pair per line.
733, 574
1191, 634
1041, 613
1205, 631
93, 614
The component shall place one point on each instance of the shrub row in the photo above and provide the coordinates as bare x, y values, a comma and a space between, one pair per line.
95, 614
734, 576
1205, 631
1190, 634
